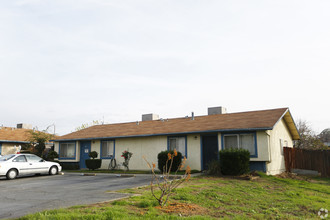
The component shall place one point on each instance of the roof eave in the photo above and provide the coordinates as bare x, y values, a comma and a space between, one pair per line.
166, 134
290, 123
19, 142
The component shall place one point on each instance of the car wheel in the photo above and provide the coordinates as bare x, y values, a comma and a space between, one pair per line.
53, 170
11, 174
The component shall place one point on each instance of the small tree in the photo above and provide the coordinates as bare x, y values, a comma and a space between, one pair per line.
163, 161
93, 163
52, 155
38, 140
86, 125
93, 154
166, 185
308, 139
127, 156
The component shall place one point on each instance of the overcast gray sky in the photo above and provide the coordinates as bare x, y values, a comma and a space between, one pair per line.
71, 62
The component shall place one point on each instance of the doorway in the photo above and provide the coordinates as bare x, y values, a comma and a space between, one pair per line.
85, 148
210, 150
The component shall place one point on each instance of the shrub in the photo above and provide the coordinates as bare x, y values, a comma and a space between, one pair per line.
214, 168
93, 154
93, 164
69, 165
52, 155
234, 161
164, 183
163, 157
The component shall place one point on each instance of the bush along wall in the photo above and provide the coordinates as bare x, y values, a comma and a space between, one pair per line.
234, 161
69, 165
93, 164
162, 158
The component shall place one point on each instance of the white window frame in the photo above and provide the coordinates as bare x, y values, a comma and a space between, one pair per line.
238, 142
66, 144
108, 156
184, 154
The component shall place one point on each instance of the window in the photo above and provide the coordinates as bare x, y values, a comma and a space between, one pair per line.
33, 158
20, 159
107, 149
178, 143
244, 141
67, 150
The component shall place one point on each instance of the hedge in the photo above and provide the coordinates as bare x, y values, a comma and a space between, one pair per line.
234, 161
93, 164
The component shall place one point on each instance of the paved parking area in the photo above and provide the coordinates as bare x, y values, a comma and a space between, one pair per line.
32, 194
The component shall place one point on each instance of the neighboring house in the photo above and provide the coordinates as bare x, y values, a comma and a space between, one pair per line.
199, 138
11, 138
325, 137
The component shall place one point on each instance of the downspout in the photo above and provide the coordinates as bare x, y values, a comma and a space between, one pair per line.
269, 148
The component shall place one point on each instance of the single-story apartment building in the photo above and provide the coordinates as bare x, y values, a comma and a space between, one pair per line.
199, 138
13, 137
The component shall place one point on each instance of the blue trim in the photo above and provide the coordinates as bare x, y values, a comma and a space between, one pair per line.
167, 134
185, 140
18, 142
258, 166
201, 147
0, 148
114, 147
67, 158
238, 133
84, 156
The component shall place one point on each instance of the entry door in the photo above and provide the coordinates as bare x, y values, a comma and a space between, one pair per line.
85, 148
210, 149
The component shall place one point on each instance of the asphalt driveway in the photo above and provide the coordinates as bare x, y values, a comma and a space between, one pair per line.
32, 194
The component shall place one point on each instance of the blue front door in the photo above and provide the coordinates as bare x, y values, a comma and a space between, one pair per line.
85, 148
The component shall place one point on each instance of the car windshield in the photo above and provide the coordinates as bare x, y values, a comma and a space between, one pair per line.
6, 157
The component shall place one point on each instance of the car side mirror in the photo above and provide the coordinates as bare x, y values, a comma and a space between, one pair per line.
42, 161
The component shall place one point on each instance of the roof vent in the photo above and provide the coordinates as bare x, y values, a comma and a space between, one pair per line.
216, 110
150, 117
24, 126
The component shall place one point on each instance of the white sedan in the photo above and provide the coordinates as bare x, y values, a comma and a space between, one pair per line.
13, 165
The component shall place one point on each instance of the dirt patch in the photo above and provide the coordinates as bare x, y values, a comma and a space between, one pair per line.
250, 176
184, 209
287, 175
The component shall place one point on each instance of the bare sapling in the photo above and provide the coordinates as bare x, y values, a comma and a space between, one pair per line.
164, 182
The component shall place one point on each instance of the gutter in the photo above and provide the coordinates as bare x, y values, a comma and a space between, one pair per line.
18, 142
165, 134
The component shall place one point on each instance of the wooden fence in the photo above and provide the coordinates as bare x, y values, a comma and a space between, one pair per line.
318, 160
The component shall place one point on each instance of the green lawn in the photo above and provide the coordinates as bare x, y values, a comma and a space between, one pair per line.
208, 197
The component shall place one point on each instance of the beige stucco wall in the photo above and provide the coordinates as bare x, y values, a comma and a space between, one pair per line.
194, 151
262, 147
143, 146
149, 147
276, 164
